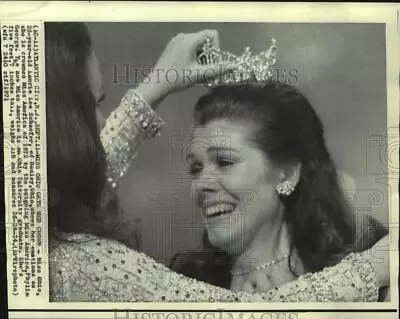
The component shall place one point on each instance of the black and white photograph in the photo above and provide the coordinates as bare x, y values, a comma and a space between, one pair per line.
207, 162
216, 158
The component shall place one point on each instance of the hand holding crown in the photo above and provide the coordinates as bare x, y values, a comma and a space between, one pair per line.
178, 68
191, 58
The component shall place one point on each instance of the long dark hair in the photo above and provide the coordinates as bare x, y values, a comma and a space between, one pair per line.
289, 131
76, 160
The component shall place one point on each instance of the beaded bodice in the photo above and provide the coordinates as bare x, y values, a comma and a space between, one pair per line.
104, 270
88, 268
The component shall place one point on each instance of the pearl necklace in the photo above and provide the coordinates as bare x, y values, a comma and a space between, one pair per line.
263, 266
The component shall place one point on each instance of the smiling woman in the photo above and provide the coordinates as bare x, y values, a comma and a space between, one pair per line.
235, 186
270, 195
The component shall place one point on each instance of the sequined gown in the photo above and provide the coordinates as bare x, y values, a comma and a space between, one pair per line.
84, 267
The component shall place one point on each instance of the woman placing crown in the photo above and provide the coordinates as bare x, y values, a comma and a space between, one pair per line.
88, 261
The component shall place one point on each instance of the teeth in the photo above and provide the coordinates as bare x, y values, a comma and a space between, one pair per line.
218, 209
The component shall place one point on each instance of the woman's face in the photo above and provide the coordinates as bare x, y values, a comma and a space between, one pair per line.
96, 85
234, 183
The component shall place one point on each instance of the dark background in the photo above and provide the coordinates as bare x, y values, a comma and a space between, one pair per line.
341, 68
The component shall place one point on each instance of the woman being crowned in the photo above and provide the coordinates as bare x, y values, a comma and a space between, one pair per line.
269, 193
283, 154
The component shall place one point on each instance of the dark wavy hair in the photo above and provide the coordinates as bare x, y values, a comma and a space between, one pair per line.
79, 200
288, 130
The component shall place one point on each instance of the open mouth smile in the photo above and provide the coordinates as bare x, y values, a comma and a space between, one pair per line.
218, 210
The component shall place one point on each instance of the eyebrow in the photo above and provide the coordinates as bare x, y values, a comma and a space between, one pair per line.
221, 148
213, 149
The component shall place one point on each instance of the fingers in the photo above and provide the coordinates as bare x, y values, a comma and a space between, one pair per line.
198, 38
201, 36
182, 54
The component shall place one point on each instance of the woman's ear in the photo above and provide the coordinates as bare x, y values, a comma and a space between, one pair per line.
291, 174
289, 177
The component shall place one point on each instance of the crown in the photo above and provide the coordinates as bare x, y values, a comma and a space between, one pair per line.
252, 68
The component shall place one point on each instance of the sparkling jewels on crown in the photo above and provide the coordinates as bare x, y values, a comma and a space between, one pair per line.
252, 68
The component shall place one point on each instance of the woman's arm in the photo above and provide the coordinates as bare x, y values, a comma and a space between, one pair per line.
357, 277
353, 279
135, 120
109, 271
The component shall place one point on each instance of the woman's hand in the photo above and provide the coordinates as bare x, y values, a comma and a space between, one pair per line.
178, 68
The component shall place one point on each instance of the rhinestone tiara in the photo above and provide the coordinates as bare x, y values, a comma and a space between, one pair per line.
252, 68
